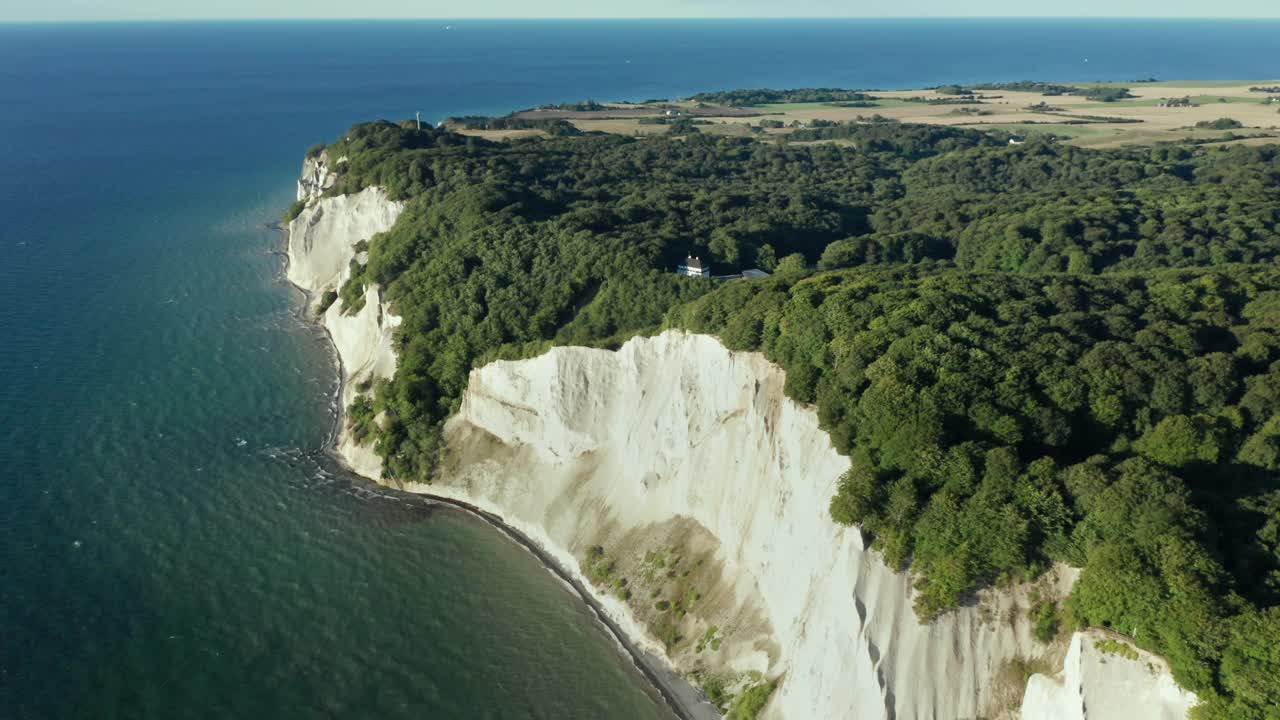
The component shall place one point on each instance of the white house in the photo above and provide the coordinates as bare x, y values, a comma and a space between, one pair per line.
694, 267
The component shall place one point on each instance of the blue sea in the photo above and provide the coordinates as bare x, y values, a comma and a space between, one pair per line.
172, 544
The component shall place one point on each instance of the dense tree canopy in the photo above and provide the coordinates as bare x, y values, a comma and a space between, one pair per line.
998, 422
1030, 86
1031, 353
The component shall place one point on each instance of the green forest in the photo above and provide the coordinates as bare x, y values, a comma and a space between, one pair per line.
1030, 353
1101, 93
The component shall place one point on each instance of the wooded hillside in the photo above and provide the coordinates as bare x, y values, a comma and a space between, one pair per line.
1031, 353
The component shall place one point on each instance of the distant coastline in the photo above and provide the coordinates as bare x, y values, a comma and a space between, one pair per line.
1144, 111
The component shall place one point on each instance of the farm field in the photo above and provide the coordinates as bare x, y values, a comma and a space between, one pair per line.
1074, 119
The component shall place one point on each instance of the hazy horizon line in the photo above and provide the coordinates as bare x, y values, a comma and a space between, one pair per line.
175, 19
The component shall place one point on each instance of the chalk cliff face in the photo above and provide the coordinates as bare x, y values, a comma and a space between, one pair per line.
323, 237
1101, 682
675, 441
316, 176
321, 245
363, 341
682, 485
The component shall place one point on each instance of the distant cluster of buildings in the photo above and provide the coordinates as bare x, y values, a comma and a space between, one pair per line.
697, 267
1175, 102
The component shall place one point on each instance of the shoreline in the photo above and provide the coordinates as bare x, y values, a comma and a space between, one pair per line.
684, 700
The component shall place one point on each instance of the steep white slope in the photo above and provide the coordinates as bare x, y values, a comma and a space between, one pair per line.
676, 445
363, 341
322, 238
1096, 684
321, 245
316, 176
584, 447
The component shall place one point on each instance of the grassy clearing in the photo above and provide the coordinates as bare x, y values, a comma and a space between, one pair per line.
663, 586
1060, 130
1197, 99
1214, 83
710, 639
1117, 648
733, 129
751, 701
894, 102
620, 126
499, 135
1177, 83
787, 107
793, 107
1011, 680
1046, 619
745, 704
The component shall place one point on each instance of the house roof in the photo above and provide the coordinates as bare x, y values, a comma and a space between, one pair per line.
693, 263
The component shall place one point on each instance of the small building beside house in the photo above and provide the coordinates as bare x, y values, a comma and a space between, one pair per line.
694, 267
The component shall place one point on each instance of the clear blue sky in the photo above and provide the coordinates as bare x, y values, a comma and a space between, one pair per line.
167, 9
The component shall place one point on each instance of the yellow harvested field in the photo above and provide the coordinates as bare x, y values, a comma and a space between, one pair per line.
621, 126
500, 134
1083, 121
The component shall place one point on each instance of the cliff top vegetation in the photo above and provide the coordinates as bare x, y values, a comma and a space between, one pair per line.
1031, 353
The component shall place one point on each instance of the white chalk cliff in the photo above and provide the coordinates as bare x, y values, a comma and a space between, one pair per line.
363, 341
323, 237
583, 447
687, 467
322, 243
317, 177
1101, 683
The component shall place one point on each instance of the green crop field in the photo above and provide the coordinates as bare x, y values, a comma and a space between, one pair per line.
1059, 129
787, 107
1178, 83
792, 107
1197, 99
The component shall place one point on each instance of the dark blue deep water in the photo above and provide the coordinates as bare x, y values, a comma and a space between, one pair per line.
168, 546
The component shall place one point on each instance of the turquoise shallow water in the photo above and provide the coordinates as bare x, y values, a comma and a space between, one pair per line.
169, 546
